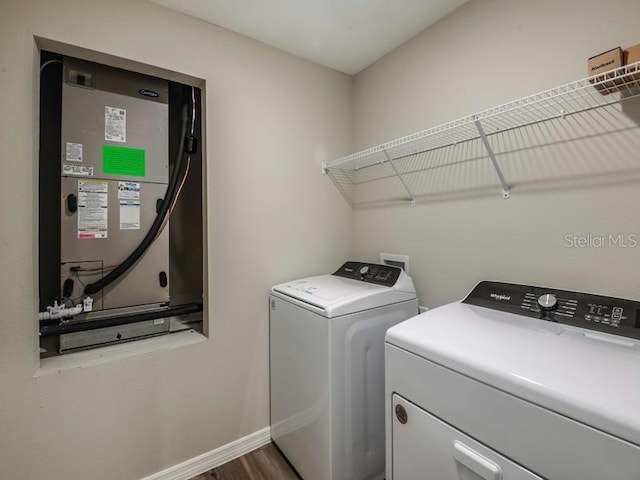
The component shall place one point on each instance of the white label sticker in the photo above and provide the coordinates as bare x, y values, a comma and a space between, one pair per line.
81, 170
74, 152
158, 321
129, 215
92, 209
129, 190
115, 124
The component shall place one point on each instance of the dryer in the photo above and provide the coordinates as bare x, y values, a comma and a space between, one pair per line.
327, 368
515, 382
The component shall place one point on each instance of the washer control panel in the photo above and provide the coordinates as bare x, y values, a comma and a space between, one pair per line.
596, 312
370, 272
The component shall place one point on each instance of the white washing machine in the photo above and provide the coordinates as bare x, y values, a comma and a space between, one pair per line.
327, 368
515, 382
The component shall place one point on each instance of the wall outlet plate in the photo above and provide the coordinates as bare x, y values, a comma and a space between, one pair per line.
395, 260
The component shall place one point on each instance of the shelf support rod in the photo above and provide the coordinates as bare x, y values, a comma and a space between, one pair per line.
505, 187
404, 184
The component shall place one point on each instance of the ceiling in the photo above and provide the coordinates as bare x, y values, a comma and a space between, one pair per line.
347, 35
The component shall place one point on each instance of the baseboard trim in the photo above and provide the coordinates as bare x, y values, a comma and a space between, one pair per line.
200, 464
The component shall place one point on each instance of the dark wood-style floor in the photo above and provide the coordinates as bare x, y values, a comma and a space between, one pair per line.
265, 463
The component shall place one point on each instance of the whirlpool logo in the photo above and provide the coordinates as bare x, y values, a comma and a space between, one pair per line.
500, 296
148, 93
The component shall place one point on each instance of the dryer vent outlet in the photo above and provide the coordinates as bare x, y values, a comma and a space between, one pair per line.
395, 260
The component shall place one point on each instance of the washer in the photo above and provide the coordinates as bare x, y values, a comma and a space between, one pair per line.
327, 368
515, 382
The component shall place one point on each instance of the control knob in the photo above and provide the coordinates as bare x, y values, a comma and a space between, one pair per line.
364, 270
547, 302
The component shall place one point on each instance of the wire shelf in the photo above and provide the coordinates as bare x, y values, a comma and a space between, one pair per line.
606, 89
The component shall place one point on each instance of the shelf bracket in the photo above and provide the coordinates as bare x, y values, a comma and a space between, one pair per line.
505, 187
326, 171
404, 184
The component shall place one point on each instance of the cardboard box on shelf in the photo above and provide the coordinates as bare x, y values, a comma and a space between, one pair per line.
605, 61
602, 63
632, 54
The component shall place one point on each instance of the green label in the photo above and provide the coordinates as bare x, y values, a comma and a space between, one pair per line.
123, 161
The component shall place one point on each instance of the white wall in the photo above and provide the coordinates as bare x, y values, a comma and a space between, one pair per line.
271, 119
490, 52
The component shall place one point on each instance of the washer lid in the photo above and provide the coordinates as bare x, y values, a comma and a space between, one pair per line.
591, 377
333, 296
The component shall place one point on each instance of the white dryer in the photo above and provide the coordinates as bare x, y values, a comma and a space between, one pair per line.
327, 368
515, 382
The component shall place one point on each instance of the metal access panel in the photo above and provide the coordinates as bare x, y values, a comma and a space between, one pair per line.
117, 334
114, 164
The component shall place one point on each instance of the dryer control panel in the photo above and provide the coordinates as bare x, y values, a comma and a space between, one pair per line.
596, 312
370, 272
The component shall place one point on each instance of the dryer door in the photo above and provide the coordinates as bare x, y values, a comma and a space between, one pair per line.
426, 448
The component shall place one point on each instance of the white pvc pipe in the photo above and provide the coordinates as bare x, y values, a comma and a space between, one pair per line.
53, 313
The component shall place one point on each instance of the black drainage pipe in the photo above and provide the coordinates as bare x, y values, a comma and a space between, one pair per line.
49, 330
